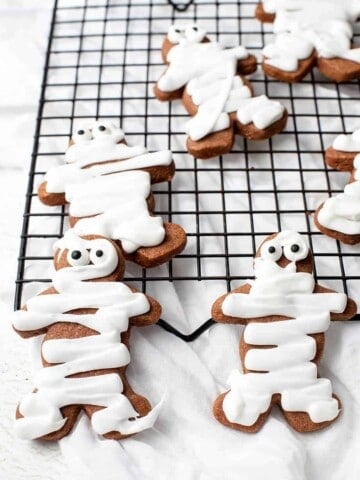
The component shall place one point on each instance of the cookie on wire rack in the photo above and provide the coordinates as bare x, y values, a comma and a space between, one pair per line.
339, 216
85, 317
107, 184
309, 34
286, 315
210, 81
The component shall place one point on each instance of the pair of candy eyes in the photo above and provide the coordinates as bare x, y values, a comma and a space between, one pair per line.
177, 30
76, 254
294, 248
293, 252
101, 128
83, 258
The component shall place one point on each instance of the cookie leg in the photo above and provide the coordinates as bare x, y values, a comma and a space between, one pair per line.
118, 427
339, 69
212, 145
311, 407
301, 421
36, 419
219, 414
174, 243
252, 133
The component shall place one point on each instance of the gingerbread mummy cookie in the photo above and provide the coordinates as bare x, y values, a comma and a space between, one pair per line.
210, 81
339, 216
309, 34
107, 184
285, 314
86, 317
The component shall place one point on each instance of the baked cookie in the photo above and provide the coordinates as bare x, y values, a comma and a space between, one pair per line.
309, 34
339, 216
86, 317
108, 186
286, 314
209, 80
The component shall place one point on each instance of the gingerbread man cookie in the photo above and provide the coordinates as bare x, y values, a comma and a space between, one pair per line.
108, 186
86, 317
286, 314
209, 80
339, 216
309, 34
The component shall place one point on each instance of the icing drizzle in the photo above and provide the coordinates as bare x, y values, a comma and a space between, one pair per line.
209, 73
286, 368
115, 303
302, 26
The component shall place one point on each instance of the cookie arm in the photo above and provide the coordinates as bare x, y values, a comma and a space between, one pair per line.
350, 309
24, 333
151, 316
218, 314
161, 173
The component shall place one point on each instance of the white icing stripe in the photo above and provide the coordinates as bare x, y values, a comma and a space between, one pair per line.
115, 304
286, 368
342, 212
209, 73
302, 25
250, 306
348, 143
58, 178
121, 212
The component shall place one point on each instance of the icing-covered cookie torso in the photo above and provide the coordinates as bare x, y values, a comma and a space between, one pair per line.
84, 317
213, 91
321, 31
107, 184
286, 315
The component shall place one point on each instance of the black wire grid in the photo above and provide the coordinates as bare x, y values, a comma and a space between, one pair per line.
102, 60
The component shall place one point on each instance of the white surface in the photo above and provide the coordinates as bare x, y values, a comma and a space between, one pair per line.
187, 443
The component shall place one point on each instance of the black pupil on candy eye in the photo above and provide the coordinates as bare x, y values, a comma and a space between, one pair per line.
177, 30
99, 253
81, 132
76, 254
295, 248
272, 249
195, 29
102, 128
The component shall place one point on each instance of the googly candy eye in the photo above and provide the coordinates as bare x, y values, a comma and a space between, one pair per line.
271, 250
194, 33
78, 258
101, 252
82, 135
101, 129
98, 254
175, 33
296, 250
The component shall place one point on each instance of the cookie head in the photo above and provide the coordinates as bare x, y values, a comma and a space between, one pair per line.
191, 33
90, 257
94, 138
288, 250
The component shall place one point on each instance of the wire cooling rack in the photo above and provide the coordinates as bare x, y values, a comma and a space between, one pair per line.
102, 60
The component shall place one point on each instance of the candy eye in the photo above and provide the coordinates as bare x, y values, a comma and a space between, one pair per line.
271, 251
101, 129
175, 34
99, 254
194, 33
296, 251
82, 135
78, 258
